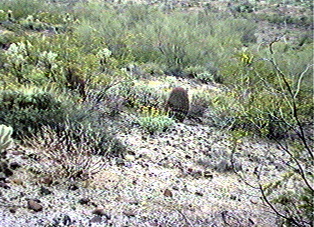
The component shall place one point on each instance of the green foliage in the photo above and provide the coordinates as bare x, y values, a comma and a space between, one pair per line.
297, 204
28, 109
23, 8
146, 34
5, 137
154, 120
259, 101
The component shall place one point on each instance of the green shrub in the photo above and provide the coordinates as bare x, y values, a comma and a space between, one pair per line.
27, 110
162, 38
154, 120
23, 8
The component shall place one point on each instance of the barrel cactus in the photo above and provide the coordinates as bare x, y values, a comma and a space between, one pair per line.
178, 104
5, 137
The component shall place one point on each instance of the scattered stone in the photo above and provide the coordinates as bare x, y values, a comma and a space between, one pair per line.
14, 165
188, 157
17, 181
45, 191
12, 210
99, 211
63, 220
2, 177
34, 205
175, 188
4, 185
66, 220
73, 187
46, 180
254, 200
129, 213
208, 175
129, 158
84, 201
233, 197
96, 219
223, 166
17, 152
133, 202
168, 193
252, 221
120, 162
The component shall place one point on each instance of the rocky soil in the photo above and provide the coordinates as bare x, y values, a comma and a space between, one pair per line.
181, 177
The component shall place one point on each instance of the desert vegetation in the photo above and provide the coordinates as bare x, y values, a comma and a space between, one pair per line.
91, 99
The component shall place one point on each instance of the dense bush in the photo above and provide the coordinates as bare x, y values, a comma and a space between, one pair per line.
154, 120
28, 110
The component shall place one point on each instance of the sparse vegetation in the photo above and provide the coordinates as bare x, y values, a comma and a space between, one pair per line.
80, 79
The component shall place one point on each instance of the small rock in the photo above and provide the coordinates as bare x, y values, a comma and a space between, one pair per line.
12, 210
45, 191
133, 202
129, 158
208, 175
96, 219
175, 188
223, 166
7, 172
46, 180
16, 152
120, 162
4, 185
17, 181
129, 213
233, 197
14, 165
84, 201
199, 193
73, 187
99, 211
254, 200
34, 205
168, 193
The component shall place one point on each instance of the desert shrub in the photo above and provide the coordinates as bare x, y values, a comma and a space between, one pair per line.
200, 102
273, 101
139, 94
22, 8
7, 38
176, 40
74, 151
29, 109
154, 120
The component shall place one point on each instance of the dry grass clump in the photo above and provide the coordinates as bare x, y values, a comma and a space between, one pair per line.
76, 152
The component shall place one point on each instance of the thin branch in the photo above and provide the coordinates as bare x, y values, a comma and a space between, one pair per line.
300, 80
264, 196
300, 169
234, 169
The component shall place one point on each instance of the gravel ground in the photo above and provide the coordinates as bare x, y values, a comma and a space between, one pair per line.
178, 178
